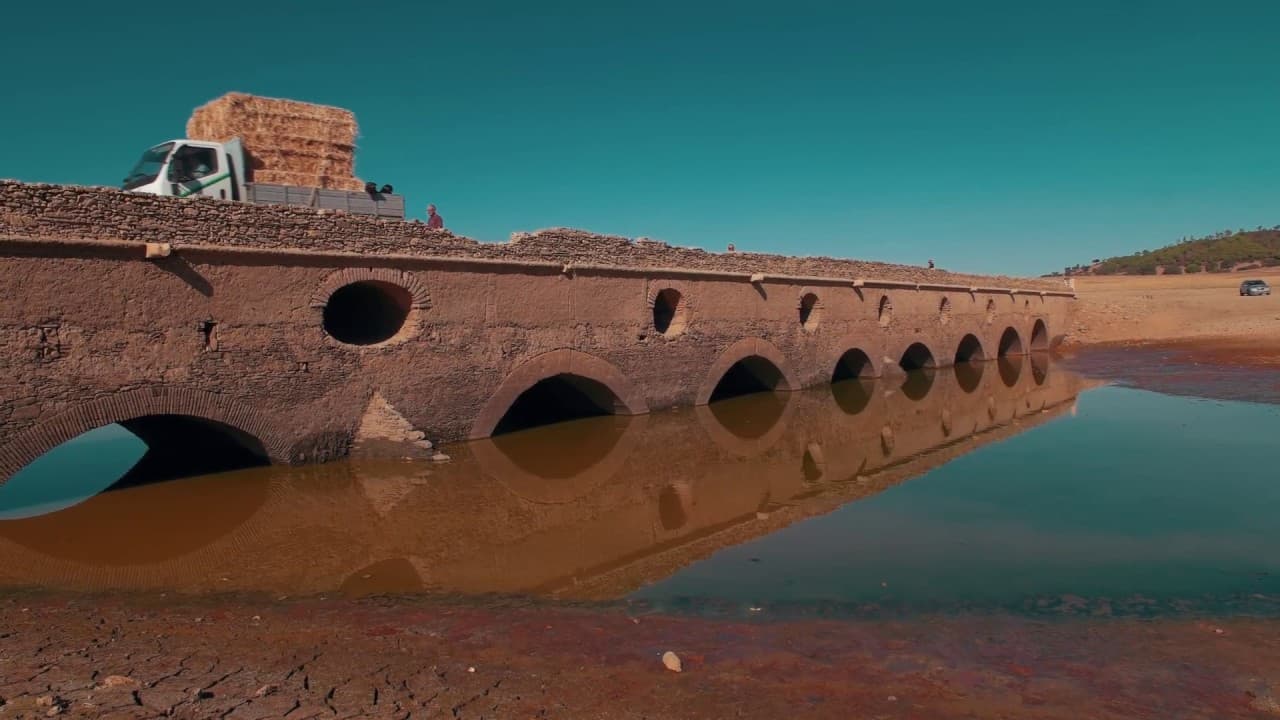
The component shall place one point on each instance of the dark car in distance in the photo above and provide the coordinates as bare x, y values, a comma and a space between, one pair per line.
1255, 287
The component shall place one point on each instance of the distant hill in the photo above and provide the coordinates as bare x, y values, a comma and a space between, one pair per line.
1222, 252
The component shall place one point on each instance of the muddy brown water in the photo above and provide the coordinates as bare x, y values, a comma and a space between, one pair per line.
1027, 490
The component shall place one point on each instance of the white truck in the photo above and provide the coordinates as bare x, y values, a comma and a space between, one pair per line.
189, 168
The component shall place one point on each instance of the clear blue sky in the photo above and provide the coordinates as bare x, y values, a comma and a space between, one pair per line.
1010, 136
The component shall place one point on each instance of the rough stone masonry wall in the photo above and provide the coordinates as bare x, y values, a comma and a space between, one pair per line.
58, 212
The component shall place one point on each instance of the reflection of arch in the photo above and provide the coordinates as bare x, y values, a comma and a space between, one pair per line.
122, 531
1039, 337
744, 446
521, 482
1039, 368
1010, 343
853, 396
572, 366
134, 405
743, 350
1010, 369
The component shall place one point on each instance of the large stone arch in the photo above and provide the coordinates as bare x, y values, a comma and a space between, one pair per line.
629, 400
741, 350
122, 407
851, 344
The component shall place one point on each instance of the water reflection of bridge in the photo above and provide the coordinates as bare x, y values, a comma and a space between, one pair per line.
593, 508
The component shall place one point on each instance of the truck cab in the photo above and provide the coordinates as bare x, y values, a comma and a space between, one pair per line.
187, 168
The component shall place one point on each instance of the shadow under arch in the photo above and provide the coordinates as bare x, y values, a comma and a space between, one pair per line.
577, 381
853, 363
507, 461
918, 362
751, 364
158, 415
1039, 337
968, 364
747, 426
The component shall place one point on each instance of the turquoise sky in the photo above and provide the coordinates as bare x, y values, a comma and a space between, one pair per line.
991, 136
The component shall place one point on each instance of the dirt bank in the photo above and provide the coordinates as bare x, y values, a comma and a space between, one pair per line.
128, 658
1174, 308
1202, 315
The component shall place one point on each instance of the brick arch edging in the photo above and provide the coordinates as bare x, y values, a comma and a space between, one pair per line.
869, 346
550, 364
741, 350
36, 441
421, 298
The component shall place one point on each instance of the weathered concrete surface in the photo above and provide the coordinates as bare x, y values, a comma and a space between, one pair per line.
230, 326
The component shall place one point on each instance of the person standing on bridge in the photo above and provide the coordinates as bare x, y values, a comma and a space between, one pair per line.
434, 221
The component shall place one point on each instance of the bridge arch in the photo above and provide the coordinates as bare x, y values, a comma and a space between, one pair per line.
574, 376
917, 356
854, 363
155, 414
968, 364
1010, 343
753, 360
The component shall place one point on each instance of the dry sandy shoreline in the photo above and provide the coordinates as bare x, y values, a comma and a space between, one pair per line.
1202, 315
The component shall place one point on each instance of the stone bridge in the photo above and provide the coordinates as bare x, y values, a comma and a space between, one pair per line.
231, 331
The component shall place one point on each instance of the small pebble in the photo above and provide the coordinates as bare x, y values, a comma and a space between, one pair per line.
672, 662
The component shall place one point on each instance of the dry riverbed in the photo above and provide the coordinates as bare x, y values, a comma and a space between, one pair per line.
125, 657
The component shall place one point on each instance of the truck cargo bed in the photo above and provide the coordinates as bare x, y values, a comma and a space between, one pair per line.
388, 206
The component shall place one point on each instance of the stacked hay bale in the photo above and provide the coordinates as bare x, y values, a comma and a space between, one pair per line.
288, 142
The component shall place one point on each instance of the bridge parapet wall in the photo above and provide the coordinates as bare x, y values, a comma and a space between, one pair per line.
59, 212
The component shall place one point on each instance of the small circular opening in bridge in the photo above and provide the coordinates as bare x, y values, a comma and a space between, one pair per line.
669, 312
944, 311
752, 374
968, 365
1039, 337
991, 310
809, 312
367, 312
559, 398
885, 311
1010, 343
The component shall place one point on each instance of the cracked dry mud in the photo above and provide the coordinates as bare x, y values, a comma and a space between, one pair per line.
155, 657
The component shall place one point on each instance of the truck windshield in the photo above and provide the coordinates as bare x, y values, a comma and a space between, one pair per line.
148, 166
